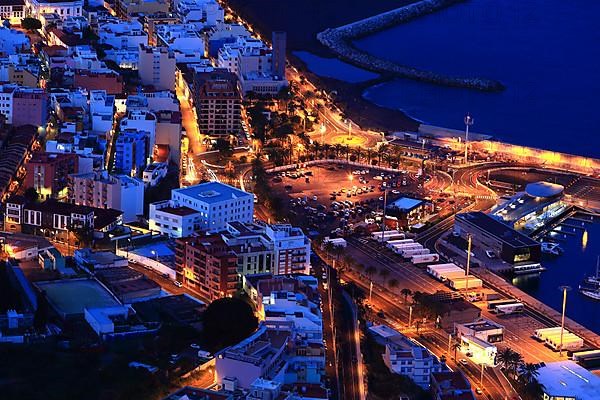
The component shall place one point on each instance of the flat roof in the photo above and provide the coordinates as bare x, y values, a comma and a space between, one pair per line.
70, 297
569, 379
497, 229
213, 192
406, 203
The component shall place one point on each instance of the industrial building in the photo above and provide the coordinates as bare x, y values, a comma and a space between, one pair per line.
567, 380
491, 234
481, 329
533, 208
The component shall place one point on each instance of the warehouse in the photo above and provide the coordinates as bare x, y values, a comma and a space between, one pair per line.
491, 234
481, 329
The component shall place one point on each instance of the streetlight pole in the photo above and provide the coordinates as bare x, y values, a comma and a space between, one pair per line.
470, 239
409, 316
469, 121
481, 376
383, 219
564, 289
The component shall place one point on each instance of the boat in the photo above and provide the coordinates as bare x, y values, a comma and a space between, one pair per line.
590, 287
551, 248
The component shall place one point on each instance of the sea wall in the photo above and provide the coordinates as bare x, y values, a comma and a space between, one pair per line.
339, 40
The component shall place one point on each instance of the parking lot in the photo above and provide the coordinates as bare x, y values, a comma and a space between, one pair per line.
331, 196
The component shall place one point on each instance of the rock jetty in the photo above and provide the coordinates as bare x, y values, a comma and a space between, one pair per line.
339, 40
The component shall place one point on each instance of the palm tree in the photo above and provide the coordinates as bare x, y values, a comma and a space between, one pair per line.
358, 153
455, 347
329, 247
534, 390
347, 151
528, 373
393, 283
503, 357
369, 155
370, 270
384, 272
406, 292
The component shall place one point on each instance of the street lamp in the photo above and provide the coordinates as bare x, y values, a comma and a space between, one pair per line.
322, 130
155, 255
469, 121
470, 241
565, 289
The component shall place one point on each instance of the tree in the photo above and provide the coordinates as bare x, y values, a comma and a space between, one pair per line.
31, 195
393, 283
31, 24
455, 347
370, 270
509, 360
528, 373
534, 390
406, 292
384, 272
227, 321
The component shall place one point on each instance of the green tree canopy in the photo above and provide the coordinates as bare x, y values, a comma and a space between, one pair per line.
226, 322
31, 24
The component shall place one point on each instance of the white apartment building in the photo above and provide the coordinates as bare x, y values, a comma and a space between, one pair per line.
123, 34
64, 9
154, 173
12, 11
284, 306
404, 357
244, 55
6, 101
278, 248
200, 13
252, 61
98, 189
102, 111
207, 207
291, 249
156, 67
183, 40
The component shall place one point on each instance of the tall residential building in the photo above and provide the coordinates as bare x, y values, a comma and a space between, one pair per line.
291, 249
207, 265
278, 42
208, 207
23, 106
47, 173
101, 190
131, 151
157, 67
218, 102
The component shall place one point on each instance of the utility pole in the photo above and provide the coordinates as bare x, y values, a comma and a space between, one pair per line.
564, 289
469, 121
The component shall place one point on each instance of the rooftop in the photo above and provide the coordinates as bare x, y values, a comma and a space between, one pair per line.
544, 189
498, 229
406, 204
570, 380
213, 192
192, 393
70, 297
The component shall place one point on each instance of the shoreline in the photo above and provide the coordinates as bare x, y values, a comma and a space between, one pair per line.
339, 41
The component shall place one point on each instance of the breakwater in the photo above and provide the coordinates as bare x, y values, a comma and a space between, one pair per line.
339, 40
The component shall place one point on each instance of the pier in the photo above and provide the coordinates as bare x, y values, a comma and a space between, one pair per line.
339, 40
